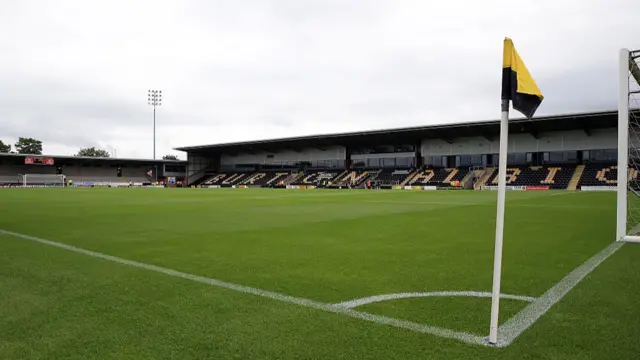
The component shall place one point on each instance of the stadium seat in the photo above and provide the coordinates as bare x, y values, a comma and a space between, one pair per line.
9, 179
315, 178
555, 177
226, 179
390, 177
352, 178
603, 175
252, 179
264, 178
438, 176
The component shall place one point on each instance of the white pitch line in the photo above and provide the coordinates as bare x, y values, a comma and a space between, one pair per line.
316, 194
427, 202
480, 203
515, 326
386, 297
560, 192
378, 319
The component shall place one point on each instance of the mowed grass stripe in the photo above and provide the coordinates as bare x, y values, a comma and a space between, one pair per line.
512, 329
439, 249
431, 248
62, 305
324, 260
529, 315
327, 242
426, 329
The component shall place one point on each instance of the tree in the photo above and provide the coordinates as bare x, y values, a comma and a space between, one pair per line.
28, 146
93, 152
4, 148
169, 157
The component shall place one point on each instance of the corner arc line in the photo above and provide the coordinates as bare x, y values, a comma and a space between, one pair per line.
350, 304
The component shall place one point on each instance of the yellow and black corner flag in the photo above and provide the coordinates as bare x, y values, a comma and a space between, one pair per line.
517, 84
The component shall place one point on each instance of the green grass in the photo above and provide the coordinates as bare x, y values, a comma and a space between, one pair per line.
328, 246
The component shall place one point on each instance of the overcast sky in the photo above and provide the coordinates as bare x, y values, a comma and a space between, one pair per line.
75, 73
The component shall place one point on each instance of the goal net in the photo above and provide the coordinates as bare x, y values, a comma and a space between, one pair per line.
628, 227
42, 180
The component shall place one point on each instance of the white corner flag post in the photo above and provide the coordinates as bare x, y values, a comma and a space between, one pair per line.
502, 187
519, 88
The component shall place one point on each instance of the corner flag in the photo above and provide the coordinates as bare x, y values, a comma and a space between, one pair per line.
517, 83
519, 87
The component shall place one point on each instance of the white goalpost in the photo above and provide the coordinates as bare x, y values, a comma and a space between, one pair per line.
42, 180
628, 202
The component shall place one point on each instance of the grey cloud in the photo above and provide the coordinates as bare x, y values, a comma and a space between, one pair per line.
250, 69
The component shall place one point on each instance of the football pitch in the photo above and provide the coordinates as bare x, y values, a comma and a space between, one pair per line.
311, 274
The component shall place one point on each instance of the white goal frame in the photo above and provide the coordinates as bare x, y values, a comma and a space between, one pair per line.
42, 180
628, 71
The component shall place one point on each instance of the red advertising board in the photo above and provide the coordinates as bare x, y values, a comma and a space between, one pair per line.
38, 160
536, 187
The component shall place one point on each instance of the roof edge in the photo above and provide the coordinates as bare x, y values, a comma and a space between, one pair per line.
93, 158
390, 130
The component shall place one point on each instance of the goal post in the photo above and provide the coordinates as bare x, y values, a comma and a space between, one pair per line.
42, 180
628, 191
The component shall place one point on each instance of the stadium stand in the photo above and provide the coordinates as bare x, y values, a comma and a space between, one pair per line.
14, 170
8, 179
391, 177
9, 175
352, 178
293, 177
265, 178
89, 171
549, 152
270, 179
483, 177
570, 152
602, 175
555, 177
225, 179
575, 178
315, 178
253, 179
438, 176
105, 174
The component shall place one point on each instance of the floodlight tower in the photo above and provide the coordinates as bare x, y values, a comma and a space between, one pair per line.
154, 99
